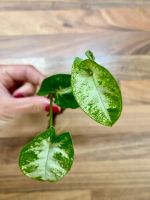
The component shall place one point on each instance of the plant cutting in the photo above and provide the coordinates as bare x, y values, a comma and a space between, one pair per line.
49, 156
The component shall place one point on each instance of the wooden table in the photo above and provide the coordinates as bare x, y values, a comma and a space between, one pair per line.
110, 163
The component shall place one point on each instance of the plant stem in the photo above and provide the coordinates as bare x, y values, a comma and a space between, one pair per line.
51, 111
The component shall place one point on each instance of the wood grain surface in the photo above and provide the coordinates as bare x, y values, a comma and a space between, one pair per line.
110, 163
68, 4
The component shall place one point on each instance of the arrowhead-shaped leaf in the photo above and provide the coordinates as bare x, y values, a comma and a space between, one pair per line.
47, 157
60, 86
96, 91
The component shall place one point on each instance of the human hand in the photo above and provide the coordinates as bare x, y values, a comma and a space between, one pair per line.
18, 84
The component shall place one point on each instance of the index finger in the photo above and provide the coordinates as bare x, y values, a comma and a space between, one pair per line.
26, 73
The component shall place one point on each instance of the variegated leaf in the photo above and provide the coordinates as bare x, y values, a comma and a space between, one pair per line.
47, 157
96, 91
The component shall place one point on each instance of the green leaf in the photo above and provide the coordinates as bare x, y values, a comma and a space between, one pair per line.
96, 92
77, 61
47, 157
90, 55
60, 86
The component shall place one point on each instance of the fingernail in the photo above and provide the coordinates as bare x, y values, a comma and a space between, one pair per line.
56, 109
47, 108
19, 95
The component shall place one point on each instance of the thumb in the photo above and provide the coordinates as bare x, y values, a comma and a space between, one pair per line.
27, 105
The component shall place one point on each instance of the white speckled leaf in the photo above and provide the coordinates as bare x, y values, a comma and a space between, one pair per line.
47, 157
96, 91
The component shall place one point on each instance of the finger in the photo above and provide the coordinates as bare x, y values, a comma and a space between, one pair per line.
27, 89
26, 73
3, 91
34, 104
